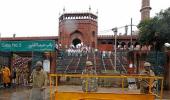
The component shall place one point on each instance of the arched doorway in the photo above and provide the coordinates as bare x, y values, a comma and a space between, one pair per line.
76, 41
76, 37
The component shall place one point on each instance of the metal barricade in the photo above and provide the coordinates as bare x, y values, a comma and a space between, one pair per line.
54, 93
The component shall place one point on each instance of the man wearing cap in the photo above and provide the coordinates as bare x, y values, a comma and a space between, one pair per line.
144, 83
39, 78
89, 84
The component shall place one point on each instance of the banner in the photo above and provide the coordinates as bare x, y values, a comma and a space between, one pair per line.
39, 45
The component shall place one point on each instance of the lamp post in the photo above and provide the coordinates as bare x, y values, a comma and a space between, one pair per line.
115, 32
156, 46
131, 43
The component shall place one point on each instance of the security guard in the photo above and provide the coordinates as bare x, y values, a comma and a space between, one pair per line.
89, 84
144, 83
39, 77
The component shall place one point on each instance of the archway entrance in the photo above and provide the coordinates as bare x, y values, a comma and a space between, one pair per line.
76, 41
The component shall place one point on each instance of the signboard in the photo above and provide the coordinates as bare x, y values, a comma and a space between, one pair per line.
39, 45
46, 65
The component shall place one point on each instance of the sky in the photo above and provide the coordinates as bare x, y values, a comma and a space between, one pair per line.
27, 18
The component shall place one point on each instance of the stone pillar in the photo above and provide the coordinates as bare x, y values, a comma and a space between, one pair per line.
53, 62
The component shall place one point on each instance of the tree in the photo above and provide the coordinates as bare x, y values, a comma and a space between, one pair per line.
155, 31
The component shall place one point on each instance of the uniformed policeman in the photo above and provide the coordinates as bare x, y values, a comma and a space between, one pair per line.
89, 84
39, 77
144, 83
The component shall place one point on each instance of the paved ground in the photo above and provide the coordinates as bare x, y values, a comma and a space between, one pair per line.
19, 93
23, 93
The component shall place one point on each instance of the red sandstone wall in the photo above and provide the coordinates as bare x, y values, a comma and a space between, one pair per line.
105, 47
84, 26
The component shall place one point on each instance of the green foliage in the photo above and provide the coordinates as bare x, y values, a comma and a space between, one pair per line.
155, 30
156, 58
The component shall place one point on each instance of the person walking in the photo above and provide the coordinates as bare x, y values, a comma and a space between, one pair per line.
39, 78
145, 83
89, 84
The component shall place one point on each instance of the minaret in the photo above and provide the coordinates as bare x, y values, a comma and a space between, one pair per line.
145, 10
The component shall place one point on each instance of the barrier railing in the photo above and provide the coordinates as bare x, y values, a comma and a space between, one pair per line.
54, 79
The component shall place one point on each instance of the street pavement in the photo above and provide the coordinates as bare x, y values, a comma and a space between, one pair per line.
19, 93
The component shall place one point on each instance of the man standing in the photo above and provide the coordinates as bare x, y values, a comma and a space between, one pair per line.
144, 88
39, 77
89, 84
6, 76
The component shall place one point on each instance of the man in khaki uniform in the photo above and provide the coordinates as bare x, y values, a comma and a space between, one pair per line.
144, 88
39, 77
89, 84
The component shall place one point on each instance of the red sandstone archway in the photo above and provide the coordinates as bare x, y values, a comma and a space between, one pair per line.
76, 37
